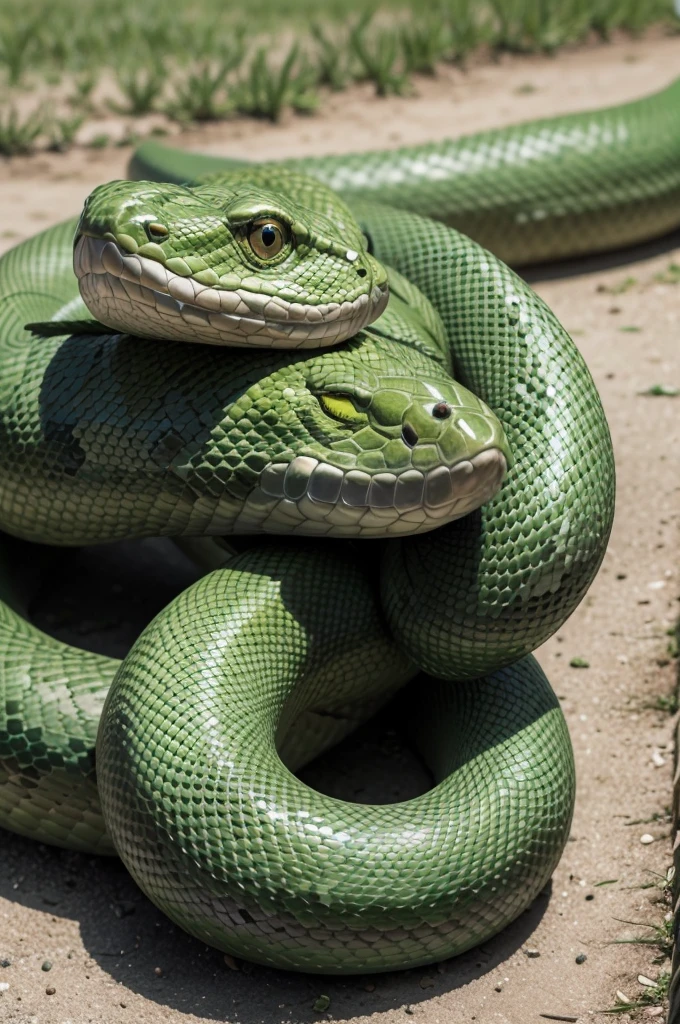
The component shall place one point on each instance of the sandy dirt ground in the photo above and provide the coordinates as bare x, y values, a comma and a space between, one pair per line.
113, 957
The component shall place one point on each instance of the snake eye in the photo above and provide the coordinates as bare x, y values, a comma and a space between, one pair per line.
156, 230
341, 407
267, 238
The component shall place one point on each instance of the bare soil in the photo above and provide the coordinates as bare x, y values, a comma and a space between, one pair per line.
113, 957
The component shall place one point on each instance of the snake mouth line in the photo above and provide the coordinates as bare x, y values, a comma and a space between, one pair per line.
139, 295
306, 496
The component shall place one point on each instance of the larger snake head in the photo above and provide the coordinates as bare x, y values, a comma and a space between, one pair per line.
235, 263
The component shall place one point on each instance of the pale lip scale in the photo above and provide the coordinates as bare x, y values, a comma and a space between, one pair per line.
138, 295
306, 496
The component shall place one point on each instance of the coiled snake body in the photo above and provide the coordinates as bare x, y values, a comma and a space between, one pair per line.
404, 429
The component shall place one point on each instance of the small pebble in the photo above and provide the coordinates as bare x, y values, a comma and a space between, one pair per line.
646, 839
50, 990
230, 962
426, 981
158, 971
123, 1005
124, 909
621, 996
532, 953
322, 1003
4, 985
590, 896
46, 965
647, 982
581, 958
408, 1010
5, 963
498, 987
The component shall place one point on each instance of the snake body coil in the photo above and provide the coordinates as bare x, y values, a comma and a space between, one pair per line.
407, 424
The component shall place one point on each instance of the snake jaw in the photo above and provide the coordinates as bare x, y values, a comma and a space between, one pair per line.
307, 496
138, 295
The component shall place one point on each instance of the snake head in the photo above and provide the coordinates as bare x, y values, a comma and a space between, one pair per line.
364, 453
240, 264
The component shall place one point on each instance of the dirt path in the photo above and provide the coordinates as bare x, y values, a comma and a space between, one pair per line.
115, 958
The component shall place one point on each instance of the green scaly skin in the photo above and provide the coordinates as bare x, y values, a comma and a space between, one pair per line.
263, 664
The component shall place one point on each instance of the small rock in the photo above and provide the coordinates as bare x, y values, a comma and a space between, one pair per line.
52, 897
158, 971
5, 963
426, 981
408, 1010
4, 985
579, 663
653, 1011
124, 1005
322, 1003
658, 760
124, 908
498, 987
46, 965
50, 990
590, 896
646, 839
621, 996
647, 982
581, 958
230, 962
532, 953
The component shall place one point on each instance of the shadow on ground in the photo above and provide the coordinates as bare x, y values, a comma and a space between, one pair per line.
602, 261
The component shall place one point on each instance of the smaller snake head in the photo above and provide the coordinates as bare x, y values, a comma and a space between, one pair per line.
375, 455
234, 263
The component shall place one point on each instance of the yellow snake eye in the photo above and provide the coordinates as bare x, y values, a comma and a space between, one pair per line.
267, 238
341, 407
156, 230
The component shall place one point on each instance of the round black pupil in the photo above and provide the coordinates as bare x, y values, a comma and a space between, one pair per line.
268, 235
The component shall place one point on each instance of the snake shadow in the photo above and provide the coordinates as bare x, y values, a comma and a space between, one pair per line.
133, 942
602, 261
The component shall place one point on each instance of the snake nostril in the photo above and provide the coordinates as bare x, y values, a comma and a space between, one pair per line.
409, 435
361, 272
441, 411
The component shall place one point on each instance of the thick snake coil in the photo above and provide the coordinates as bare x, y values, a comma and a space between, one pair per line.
264, 663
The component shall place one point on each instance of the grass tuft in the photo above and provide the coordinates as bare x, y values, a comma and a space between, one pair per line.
18, 135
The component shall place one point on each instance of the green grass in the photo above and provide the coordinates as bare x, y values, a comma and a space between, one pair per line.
659, 937
268, 87
141, 86
18, 134
211, 60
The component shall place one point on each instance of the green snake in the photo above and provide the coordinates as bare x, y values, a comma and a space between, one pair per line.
455, 426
